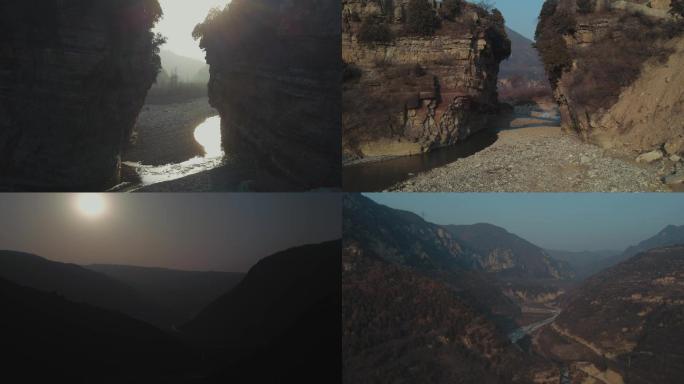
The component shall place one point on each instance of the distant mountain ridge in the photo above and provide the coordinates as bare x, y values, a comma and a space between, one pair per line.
79, 284
183, 293
405, 238
280, 323
189, 70
584, 263
668, 236
524, 60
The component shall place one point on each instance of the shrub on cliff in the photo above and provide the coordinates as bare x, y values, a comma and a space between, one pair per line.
451, 9
677, 7
374, 29
612, 64
350, 72
421, 18
496, 32
586, 6
550, 42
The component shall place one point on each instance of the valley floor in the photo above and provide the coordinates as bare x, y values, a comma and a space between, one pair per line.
534, 155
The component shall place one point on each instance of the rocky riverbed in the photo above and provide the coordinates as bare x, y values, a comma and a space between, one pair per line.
533, 156
164, 133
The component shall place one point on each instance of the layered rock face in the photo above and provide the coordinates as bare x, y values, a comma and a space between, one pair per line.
275, 80
411, 93
615, 68
73, 78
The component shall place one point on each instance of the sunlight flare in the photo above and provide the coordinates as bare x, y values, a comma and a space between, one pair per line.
208, 134
91, 204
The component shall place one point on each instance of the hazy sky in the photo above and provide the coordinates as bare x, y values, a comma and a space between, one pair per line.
572, 222
228, 232
521, 15
180, 18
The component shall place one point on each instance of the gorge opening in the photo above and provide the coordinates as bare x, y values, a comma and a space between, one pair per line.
178, 132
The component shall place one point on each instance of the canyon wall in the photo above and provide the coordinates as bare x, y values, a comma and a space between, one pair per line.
275, 80
73, 78
407, 93
615, 68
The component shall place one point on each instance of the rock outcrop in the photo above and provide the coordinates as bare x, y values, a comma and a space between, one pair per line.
616, 73
509, 256
406, 93
275, 80
73, 78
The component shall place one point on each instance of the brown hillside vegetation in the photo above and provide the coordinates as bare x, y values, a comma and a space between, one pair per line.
402, 327
629, 319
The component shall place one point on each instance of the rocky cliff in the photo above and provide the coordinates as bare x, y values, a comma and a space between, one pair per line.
615, 68
407, 92
508, 255
275, 80
73, 78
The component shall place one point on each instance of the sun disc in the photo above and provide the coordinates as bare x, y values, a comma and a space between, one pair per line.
91, 204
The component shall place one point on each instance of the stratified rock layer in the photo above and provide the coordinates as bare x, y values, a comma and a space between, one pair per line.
416, 93
73, 78
275, 80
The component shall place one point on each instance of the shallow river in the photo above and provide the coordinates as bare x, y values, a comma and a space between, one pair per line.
208, 135
378, 176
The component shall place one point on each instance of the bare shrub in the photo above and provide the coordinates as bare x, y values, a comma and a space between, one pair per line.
617, 61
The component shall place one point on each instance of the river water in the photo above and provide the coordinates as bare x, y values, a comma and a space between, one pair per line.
208, 135
521, 332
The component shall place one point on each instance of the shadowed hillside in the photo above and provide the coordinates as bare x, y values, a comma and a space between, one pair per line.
281, 322
50, 339
183, 293
79, 284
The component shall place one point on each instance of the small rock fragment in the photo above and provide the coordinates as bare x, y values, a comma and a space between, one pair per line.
677, 178
649, 157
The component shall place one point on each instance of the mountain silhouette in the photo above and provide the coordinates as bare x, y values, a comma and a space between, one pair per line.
79, 284
281, 322
183, 293
47, 338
